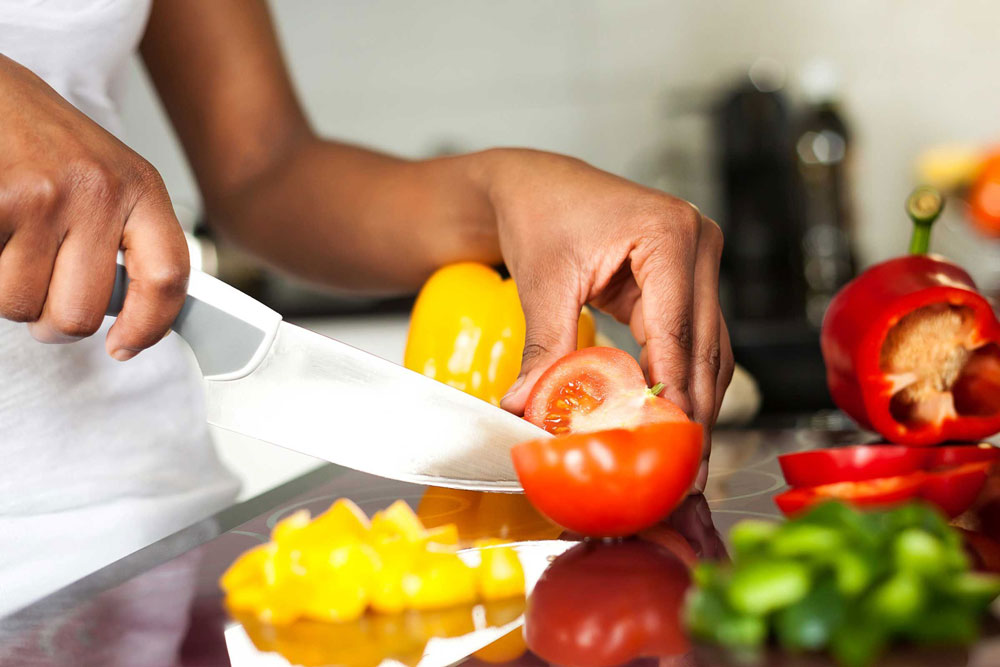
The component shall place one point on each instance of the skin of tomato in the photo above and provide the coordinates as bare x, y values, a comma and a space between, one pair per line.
610, 483
850, 464
602, 604
890, 491
603, 370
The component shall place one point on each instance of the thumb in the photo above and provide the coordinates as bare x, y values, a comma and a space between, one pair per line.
551, 316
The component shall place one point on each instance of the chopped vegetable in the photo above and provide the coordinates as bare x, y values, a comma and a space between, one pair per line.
336, 566
610, 483
597, 389
838, 579
880, 475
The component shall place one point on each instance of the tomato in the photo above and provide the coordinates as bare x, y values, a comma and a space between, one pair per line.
867, 493
604, 604
850, 464
954, 490
610, 483
958, 454
595, 389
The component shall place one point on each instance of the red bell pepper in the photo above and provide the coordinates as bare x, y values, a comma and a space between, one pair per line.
880, 475
912, 349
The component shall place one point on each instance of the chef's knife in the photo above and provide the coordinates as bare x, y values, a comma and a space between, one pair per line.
283, 384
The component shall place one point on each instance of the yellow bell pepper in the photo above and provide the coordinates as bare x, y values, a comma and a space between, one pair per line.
467, 330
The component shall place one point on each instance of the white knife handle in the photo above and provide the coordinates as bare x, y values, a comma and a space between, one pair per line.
228, 331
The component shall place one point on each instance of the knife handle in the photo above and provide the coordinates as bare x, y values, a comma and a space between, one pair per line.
228, 331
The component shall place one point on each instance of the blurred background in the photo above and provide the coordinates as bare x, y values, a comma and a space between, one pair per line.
799, 126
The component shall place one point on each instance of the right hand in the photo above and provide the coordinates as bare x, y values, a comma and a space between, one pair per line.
71, 196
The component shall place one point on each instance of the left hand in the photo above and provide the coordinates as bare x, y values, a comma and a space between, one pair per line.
572, 234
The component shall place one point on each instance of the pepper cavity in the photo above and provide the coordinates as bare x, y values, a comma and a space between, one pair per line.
927, 357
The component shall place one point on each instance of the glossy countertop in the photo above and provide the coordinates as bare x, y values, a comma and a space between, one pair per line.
161, 607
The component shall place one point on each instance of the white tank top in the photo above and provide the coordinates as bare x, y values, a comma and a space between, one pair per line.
99, 457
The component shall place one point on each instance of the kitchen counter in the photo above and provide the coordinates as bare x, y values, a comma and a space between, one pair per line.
162, 607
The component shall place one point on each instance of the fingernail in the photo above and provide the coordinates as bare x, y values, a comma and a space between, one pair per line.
123, 354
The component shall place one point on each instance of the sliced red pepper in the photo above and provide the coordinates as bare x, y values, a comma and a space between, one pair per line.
954, 490
851, 464
912, 351
860, 462
870, 493
951, 455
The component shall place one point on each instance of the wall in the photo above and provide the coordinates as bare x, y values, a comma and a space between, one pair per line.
603, 80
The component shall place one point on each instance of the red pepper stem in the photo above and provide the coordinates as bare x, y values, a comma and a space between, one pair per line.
656, 389
924, 205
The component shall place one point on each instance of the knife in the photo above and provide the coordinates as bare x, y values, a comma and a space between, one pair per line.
298, 389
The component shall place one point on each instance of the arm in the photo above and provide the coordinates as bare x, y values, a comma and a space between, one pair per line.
335, 213
326, 211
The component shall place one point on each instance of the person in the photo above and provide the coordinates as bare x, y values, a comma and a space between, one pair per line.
104, 439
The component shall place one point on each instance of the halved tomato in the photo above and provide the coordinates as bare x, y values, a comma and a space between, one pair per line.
596, 389
610, 483
868, 493
851, 464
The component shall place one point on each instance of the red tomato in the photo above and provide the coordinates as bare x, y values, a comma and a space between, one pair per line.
605, 604
867, 493
958, 454
850, 464
595, 389
610, 483
954, 490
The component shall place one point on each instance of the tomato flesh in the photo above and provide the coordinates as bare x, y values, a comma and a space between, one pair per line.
610, 483
595, 389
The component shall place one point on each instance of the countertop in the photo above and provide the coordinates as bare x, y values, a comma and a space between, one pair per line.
161, 606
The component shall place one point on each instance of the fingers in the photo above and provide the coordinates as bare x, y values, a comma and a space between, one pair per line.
26, 261
79, 290
727, 365
664, 270
551, 315
158, 265
706, 350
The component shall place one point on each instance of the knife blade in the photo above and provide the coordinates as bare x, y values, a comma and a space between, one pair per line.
298, 389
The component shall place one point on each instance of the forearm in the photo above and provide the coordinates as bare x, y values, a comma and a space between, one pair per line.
345, 216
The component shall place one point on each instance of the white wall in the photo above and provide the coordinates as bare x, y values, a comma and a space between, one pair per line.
596, 78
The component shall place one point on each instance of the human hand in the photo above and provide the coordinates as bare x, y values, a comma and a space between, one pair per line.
572, 234
71, 196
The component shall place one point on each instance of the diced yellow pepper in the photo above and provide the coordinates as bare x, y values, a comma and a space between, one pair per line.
343, 519
467, 330
439, 580
290, 525
442, 536
248, 569
500, 574
396, 523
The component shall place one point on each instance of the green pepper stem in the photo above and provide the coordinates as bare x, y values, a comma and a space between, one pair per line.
924, 205
656, 388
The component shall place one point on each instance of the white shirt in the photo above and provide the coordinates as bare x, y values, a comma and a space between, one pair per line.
99, 457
